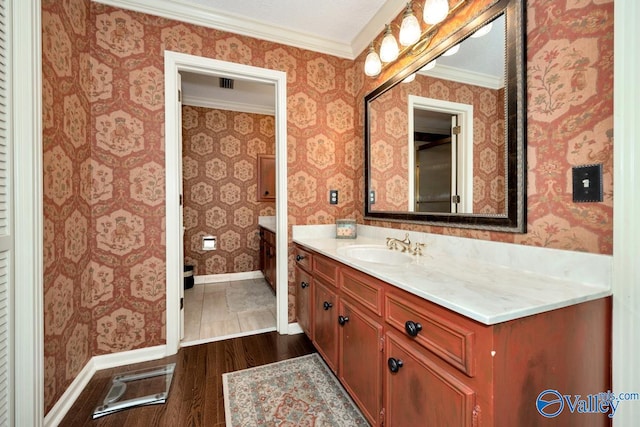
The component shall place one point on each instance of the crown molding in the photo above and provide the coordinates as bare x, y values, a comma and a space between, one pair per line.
446, 72
220, 104
210, 18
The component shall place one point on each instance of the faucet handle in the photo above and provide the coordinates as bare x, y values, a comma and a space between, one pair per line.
392, 243
418, 249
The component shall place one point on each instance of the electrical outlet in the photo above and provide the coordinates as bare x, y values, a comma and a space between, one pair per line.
372, 197
587, 183
333, 197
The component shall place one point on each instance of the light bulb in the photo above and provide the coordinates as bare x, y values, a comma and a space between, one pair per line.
452, 50
389, 47
372, 65
409, 78
429, 66
410, 28
482, 31
435, 11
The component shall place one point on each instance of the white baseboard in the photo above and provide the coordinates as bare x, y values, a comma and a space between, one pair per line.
227, 277
294, 328
96, 363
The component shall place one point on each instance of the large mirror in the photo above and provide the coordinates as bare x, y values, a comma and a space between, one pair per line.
445, 136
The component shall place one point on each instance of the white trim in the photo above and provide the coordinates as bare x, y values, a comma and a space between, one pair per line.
226, 277
97, 363
220, 104
226, 337
175, 62
210, 18
464, 167
28, 348
459, 75
294, 329
626, 209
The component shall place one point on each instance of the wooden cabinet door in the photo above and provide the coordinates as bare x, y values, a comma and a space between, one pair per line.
360, 359
304, 301
422, 392
325, 323
266, 178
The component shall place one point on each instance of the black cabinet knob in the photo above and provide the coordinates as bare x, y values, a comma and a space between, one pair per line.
327, 305
304, 285
394, 364
299, 257
412, 328
342, 320
266, 192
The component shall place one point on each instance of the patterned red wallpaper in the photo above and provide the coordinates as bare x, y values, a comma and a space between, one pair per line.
219, 161
569, 123
389, 136
103, 117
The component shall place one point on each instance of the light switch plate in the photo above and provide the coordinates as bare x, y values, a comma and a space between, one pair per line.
587, 183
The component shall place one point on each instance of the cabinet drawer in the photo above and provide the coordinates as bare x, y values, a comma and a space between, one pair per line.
326, 269
435, 330
363, 289
303, 258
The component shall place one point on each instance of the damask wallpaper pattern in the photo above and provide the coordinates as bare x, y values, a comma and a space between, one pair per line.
389, 136
569, 123
103, 121
219, 168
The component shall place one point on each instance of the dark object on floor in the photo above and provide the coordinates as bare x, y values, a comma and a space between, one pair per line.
188, 277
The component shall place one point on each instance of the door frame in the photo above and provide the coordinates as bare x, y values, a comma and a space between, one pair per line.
175, 62
464, 163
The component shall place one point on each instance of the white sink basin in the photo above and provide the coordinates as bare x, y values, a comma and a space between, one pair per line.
378, 254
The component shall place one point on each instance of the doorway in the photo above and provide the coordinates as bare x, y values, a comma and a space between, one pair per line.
174, 64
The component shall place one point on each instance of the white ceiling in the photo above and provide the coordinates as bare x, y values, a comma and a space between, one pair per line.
343, 28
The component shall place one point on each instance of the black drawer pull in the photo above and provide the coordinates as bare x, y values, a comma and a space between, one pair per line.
327, 305
304, 285
394, 364
412, 328
299, 258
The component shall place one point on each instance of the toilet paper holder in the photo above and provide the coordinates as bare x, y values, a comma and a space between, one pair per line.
209, 243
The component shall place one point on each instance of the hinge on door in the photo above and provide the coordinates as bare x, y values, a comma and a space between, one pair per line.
181, 200
381, 344
455, 199
476, 416
179, 95
456, 130
381, 419
181, 303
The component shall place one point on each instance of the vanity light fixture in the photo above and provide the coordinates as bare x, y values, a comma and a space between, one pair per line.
410, 31
409, 78
435, 11
411, 36
483, 31
389, 47
452, 50
372, 65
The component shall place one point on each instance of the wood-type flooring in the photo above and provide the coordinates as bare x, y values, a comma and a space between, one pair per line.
196, 397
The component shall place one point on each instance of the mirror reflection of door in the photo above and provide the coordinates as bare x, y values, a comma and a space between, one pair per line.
441, 156
435, 156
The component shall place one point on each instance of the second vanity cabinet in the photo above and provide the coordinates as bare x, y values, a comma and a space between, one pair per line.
406, 361
268, 256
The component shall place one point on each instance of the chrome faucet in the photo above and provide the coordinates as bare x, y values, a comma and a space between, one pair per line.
393, 243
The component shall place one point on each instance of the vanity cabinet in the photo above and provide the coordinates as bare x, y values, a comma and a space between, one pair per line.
268, 256
406, 361
303, 286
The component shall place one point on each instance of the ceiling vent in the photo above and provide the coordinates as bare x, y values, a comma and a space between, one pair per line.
226, 83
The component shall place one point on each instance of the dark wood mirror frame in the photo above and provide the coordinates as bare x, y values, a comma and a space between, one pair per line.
515, 107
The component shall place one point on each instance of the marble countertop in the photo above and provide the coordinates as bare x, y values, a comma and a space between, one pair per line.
268, 222
485, 292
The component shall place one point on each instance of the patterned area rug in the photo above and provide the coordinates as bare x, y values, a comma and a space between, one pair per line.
295, 392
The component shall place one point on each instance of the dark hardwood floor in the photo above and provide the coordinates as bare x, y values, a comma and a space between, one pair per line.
196, 397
